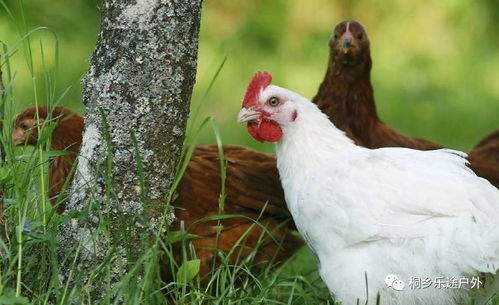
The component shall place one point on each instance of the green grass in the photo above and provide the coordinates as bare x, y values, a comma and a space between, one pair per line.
435, 76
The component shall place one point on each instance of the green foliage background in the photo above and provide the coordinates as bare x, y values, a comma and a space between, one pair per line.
435, 73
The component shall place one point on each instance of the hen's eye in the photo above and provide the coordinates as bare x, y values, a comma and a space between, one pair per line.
274, 101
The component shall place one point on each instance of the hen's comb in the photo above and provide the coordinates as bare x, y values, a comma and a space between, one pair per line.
260, 81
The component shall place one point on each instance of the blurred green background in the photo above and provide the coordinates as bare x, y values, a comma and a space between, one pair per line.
435, 72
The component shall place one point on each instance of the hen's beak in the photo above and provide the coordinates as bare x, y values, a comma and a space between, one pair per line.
247, 115
346, 44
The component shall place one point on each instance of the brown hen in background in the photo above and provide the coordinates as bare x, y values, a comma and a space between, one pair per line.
346, 96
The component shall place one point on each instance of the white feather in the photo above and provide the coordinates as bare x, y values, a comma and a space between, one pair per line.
384, 211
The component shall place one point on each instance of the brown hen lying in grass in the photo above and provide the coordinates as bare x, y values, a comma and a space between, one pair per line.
346, 96
252, 189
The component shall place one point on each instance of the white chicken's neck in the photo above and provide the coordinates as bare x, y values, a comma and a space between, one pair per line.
310, 141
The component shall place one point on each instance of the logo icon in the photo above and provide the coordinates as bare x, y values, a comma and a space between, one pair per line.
393, 281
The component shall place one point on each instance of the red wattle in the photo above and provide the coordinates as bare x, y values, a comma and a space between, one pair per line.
265, 130
269, 131
253, 131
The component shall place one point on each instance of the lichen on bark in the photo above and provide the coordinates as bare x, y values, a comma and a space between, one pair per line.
140, 79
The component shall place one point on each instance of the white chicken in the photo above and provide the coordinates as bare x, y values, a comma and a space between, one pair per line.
378, 213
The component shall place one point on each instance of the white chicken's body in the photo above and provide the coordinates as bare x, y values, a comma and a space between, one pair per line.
385, 211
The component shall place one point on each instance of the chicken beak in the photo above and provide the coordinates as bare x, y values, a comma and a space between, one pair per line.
347, 41
345, 45
247, 115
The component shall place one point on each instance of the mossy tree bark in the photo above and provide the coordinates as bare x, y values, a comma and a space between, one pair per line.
137, 94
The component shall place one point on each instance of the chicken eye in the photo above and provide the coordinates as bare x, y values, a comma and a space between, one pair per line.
273, 101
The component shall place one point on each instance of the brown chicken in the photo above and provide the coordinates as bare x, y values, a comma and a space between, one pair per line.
347, 97
252, 188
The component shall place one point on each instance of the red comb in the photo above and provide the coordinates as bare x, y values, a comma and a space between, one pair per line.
260, 81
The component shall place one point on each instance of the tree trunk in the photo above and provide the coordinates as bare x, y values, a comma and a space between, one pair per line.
139, 85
